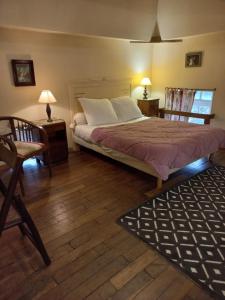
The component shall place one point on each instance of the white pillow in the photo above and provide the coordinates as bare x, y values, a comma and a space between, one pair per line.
80, 119
98, 111
126, 108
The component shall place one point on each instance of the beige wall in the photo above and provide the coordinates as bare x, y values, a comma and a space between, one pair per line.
168, 69
128, 19
58, 60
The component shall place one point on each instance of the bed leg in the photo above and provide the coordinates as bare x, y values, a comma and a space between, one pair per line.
76, 147
152, 193
211, 157
159, 183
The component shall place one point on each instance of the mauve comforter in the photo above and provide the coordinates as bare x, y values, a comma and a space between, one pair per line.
160, 143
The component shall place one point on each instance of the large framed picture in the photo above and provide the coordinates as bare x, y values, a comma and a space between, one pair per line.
23, 72
193, 59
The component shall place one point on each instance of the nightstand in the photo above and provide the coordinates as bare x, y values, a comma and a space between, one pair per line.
149, 107
57, 138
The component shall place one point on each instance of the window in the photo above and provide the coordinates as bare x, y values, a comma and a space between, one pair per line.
202, 105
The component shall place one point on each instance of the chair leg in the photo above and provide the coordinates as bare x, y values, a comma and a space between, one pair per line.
21, 186
4, 213
22, 230
32, 231
22, 169
7, 203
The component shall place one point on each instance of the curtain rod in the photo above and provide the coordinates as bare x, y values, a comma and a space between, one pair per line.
192, 89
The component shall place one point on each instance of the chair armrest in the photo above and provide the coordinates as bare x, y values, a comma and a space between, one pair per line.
5, 141
8, 154
25, 129
206, 117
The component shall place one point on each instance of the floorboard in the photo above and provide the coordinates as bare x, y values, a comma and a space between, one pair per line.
92, 256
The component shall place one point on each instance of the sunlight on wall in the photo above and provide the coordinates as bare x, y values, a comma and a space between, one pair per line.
136, 88
141, 59
60, 60
137, 92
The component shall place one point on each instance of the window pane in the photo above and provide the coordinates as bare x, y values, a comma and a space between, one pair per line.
207, 95
195, 107
202, 105
198, 95
202, 102
196, 120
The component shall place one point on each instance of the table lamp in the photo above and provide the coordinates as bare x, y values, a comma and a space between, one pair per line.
47, 97
145, 81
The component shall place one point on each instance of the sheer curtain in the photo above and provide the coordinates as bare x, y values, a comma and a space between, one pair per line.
179, 100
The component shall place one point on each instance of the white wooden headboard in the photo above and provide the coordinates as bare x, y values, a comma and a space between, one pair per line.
97, 88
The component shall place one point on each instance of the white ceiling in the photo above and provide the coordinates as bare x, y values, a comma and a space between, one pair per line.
180, 18
127, 19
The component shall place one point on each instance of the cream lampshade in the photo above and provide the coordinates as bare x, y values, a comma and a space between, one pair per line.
47, 98
146, 82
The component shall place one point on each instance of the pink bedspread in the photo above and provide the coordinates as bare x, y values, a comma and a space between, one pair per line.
160, 143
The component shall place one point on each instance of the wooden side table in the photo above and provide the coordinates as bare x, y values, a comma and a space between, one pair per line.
58, 145
149, 107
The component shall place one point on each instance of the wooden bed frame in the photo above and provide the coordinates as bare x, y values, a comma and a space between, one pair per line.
108, 88
205, 117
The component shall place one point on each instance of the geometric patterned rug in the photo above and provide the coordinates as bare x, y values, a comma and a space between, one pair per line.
187, 226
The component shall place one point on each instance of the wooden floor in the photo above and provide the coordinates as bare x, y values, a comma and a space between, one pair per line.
92, 257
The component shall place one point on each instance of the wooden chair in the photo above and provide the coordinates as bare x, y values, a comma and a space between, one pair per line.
24, 135
9, 156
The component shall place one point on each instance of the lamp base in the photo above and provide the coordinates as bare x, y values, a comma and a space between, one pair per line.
145, 94
48, 111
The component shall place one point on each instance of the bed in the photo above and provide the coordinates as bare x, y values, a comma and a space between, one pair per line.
89, 136
82, 136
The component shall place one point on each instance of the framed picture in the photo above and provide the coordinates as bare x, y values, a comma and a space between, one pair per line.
193, 59
23, 72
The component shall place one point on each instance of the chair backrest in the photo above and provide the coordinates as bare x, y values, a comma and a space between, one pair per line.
16, 129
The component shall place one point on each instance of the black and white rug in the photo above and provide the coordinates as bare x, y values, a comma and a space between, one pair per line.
187, 225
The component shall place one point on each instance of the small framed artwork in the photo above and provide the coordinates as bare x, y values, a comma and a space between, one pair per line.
193, 59
23, 72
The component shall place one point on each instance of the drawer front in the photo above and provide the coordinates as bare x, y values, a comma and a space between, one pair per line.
58, 152
144, 107
54, 127
149, 107
154, 109
57, 139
